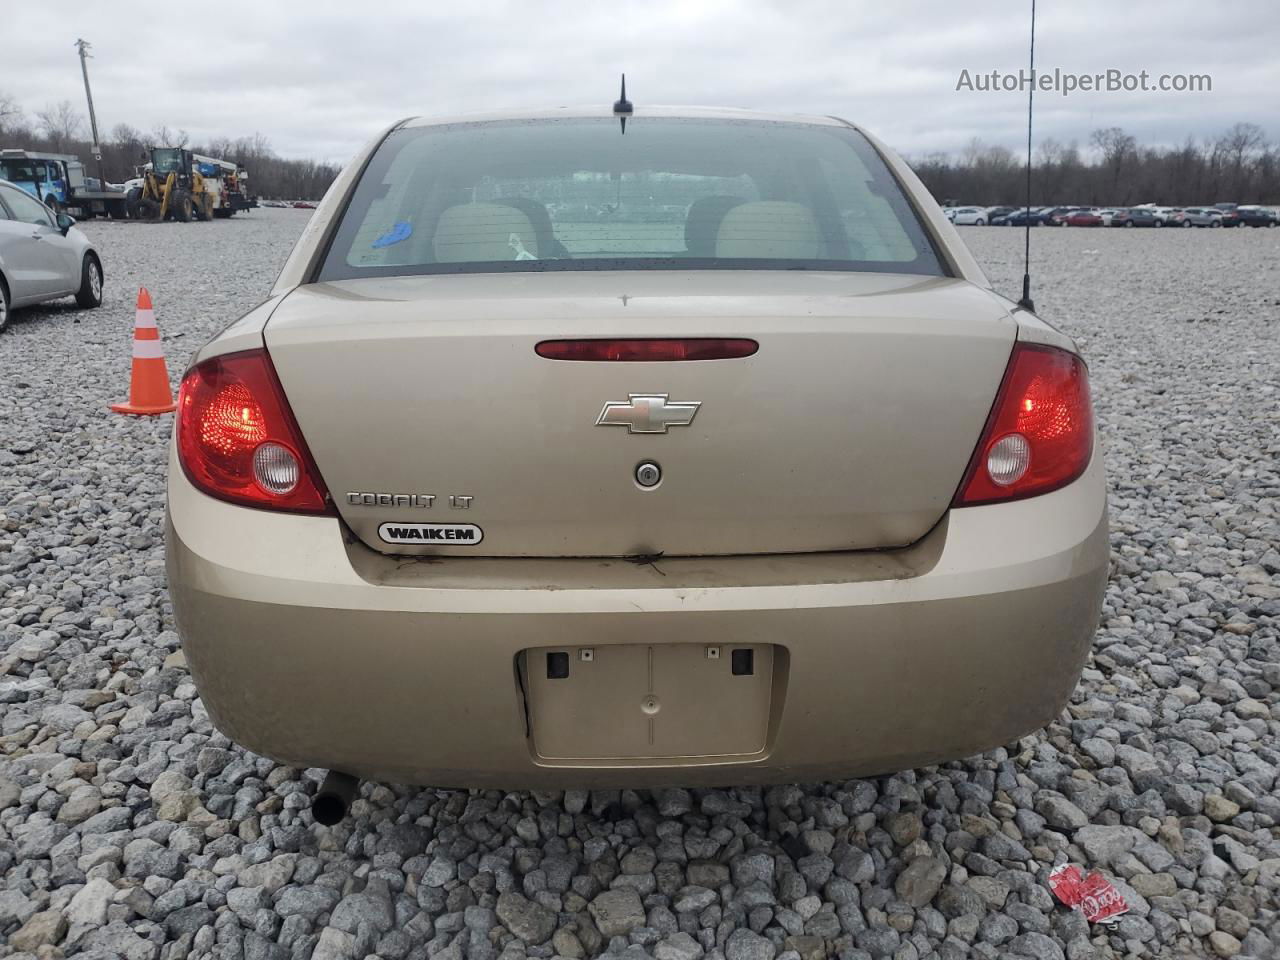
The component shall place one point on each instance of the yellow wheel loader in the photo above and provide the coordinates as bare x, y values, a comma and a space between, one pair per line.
172, 188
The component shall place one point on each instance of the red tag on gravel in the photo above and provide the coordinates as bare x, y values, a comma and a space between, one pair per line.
1065, 881
1100, 901
1093, 895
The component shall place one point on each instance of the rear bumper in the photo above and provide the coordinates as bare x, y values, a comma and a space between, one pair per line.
322, 653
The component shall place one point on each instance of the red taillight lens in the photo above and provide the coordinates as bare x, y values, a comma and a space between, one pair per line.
238, 441
684, 348
1039, 436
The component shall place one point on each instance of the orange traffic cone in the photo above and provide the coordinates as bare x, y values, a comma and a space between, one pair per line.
149, 390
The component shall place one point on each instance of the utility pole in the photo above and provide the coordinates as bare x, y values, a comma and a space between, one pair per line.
83, 46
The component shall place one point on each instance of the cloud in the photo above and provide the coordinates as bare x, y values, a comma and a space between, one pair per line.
319, 78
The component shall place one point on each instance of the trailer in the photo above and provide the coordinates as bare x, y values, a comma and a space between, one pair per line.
231, 184
59, 181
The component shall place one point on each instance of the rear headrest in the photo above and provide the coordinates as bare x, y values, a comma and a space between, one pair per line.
702, 223
769, 229
478, 232
549, 248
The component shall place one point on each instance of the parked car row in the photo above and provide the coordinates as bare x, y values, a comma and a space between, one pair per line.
1146, 215
299, 204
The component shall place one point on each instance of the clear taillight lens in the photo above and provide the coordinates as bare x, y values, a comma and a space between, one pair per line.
1008, 459
238, 441
276, 468
1039, 435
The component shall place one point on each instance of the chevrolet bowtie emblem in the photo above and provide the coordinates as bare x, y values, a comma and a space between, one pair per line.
647, 413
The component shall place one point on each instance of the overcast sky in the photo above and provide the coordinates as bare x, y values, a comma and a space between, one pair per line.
318, 78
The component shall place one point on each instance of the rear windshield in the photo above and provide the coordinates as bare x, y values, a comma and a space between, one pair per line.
672, 193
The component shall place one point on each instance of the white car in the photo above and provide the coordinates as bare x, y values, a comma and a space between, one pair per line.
42, 255
1107, 215
970, 216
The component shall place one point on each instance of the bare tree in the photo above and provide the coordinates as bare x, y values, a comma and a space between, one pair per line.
1243, 140
124, 135
1237, 147
1049, 156
124, 149
162, 136
1267, 169
256, 146
221, 147
61, 123
1050, 151
1118, 150
10, 113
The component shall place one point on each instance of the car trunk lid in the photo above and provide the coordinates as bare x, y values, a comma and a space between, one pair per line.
440, 430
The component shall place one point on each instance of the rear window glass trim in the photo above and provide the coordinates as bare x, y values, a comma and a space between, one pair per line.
638, 263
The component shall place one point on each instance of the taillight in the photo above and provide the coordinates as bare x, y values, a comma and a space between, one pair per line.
238, 441
1039, 435
650, 350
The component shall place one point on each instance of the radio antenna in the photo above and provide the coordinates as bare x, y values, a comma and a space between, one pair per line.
1026, 302
622, 106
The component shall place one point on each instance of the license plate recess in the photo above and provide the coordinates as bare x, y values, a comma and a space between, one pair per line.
648, 701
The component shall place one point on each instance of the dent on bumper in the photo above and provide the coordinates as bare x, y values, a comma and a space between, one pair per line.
321, 653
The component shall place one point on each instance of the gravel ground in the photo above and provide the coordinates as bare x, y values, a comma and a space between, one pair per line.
129, 827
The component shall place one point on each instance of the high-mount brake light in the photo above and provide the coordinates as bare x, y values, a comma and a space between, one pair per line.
238, 441
648, 349
1039, 435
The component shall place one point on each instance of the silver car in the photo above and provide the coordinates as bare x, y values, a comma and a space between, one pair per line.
42, 255
1201, 217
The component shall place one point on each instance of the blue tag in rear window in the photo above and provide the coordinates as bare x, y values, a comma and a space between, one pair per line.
398, 234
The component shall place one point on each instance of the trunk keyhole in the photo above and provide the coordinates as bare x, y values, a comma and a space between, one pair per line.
648, 474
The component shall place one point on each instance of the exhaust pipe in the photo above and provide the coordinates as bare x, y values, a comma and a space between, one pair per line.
333, 799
